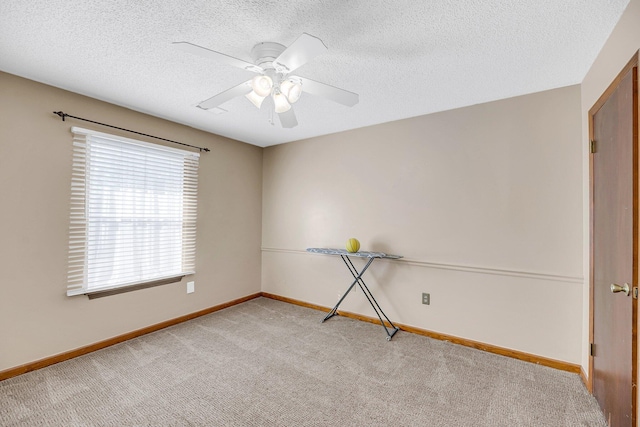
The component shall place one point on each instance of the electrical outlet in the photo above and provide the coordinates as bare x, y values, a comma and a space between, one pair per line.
426, 298
191, 287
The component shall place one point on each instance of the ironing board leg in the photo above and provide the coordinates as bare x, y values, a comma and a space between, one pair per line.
334, 310
390, 331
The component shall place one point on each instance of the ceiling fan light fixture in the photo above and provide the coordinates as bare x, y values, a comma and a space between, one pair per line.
280, 102
262, 85
255, 98
273, 64
292, 90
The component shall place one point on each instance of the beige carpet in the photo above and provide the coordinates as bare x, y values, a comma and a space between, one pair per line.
268, 363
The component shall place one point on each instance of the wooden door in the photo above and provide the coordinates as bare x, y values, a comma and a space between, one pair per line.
614, 242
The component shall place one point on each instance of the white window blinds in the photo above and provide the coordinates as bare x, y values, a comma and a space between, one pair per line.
133, 212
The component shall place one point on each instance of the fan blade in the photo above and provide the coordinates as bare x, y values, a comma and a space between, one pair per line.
288, 119
298, 53
217, 56
335, 94
222, 97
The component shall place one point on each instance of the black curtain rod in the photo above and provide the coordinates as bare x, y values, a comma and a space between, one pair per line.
65, 115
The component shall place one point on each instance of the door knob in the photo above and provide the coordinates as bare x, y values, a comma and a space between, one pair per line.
617, 288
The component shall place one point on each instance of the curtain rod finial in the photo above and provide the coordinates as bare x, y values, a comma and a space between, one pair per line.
61, 114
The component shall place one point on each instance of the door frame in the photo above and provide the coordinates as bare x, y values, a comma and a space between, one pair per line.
633, 62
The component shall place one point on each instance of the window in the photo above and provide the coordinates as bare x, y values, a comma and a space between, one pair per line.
133, 213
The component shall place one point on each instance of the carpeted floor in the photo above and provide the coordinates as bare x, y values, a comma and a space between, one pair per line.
269, 363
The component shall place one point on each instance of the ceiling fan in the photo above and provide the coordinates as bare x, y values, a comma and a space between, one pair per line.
274, 64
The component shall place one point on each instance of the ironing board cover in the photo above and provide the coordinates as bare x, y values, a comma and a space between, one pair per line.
362, 254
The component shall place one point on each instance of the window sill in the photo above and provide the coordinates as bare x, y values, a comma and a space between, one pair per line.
99, 293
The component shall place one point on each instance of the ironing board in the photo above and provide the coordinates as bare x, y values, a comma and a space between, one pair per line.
357, 276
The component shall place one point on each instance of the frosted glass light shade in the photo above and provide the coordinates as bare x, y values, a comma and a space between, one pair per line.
281, 103
291, 89
255, 98
262, 85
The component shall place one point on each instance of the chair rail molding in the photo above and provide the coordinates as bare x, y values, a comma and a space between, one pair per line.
461, 267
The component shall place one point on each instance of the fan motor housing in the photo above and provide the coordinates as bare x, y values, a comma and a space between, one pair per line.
265, 53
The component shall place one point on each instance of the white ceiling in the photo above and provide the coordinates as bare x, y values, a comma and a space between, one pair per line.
404, 58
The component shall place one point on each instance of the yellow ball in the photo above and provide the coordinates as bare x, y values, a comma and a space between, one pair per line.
353, 245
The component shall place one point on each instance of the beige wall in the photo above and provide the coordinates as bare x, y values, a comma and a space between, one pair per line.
622, 44
485, 204
37, 319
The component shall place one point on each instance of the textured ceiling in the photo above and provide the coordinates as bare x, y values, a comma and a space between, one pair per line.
404, 58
